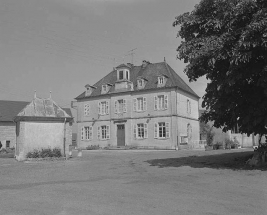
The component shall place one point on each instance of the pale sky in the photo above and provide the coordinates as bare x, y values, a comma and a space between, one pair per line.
62, 45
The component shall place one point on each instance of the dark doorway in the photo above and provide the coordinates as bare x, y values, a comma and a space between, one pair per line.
120, 135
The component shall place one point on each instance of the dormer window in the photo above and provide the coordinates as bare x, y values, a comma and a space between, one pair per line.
105, 88
89, 89
141, 82
123, 74
162, 79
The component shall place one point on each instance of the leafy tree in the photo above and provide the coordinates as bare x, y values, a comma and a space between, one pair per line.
207, 131
226, 41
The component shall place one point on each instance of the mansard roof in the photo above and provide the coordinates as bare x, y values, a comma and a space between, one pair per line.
150, 72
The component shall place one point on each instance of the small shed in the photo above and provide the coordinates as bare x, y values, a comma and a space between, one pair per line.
40, 125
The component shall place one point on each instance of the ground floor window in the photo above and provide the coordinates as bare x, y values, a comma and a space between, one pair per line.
104, 132
140, 131
162, 130
87, 133
8, 144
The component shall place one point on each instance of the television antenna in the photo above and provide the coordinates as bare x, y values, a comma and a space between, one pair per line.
132, 53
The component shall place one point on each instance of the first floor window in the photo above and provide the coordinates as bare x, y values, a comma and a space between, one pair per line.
140, 131
86, 109
103, 132
140, 104
103, 108
161, 102
162, 130
188, 106
120, 106
87, 133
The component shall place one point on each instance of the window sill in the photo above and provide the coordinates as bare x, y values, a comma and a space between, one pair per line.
140, 111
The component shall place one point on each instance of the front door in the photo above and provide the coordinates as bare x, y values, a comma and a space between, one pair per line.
121, 135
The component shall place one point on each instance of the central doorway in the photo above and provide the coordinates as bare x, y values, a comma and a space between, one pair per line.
121, 135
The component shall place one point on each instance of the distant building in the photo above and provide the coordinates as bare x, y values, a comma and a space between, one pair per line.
8, 110
42, 124
142, 106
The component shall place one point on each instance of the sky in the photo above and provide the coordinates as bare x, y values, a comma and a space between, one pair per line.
62, 45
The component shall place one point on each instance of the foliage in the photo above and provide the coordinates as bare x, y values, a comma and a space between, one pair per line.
210, 135
226, 41
218, 145
93, 147
56, 152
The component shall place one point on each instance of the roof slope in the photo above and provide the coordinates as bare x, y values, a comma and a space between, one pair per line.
149, 72
9, 109
43, 108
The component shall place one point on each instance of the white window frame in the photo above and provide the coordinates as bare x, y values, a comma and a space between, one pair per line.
140, 128
165, 126
157, 105
104, 88
140, 83
103, 132
103, 108
88, 132
117, 106
86, 109
137, 106
160, 80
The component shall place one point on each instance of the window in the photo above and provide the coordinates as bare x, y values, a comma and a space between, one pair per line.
120, 106
161, 80
183, 140
7, 143
120, 74
86, 109
162, 130
140, 83
87, 133
140, 131
88, 91
104, 88
188, 106
103, 132
127, 75
103, 108
161, 102
140, 104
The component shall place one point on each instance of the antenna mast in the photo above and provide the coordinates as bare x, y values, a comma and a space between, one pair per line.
131, 52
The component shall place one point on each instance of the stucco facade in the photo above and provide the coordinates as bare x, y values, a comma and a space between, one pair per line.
8, 134
159, 117
42, 124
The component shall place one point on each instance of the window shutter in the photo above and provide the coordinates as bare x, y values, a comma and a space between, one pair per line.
116, 106
90, 132
85, 109
134, 131
167, 130
107, 107
82, 133
189, 106
155, 102
156, 130
99, 133
124, 106
99, 107
108, 132
144, 100
134, 104
165, 101
145, 130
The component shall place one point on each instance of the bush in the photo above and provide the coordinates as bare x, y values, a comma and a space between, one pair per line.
93, 147
218, 145
44, 153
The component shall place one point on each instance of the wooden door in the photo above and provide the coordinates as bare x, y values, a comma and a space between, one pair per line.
121, 135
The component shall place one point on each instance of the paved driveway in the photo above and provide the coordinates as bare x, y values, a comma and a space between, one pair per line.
134, 183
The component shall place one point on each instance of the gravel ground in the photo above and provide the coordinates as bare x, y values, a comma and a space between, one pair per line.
135, 183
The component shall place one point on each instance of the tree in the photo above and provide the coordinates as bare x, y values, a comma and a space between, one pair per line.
207, 132
226, 41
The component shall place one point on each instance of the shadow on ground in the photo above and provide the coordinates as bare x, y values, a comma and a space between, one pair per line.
234, 161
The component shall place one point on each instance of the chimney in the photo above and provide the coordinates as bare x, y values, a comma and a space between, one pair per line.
145, 63
130, 65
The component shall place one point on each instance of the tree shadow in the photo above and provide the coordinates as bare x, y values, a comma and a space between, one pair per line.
233, 161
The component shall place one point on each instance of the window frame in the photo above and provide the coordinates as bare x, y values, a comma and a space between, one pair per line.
103, 132
103, 108
166, 130
86, 109
140, 128
143, 104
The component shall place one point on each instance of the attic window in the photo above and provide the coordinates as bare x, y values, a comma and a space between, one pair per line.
88, 91
104, 88
160, 80
127, 74
120, 74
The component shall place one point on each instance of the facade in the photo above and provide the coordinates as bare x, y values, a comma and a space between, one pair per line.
42, 124
143, 106
8, 110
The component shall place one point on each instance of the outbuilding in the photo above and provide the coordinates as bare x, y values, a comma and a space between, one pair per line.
40, 125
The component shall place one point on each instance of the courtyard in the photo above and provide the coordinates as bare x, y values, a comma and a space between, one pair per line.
135, 182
